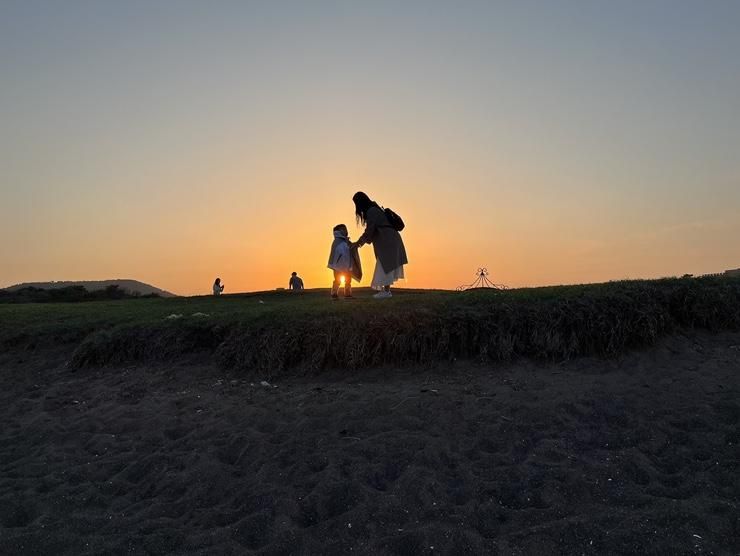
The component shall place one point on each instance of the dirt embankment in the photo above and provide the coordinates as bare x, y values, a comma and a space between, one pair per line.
567, 322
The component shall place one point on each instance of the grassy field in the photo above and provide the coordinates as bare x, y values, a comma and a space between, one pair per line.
273, 332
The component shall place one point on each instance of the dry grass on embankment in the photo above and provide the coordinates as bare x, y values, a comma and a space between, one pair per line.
278, 333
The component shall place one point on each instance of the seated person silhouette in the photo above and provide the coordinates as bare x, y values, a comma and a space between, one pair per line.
218, 287
295, 282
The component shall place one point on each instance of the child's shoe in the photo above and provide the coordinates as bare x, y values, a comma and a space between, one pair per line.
383, 295
334, 297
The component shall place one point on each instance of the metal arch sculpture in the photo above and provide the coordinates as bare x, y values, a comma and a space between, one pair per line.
482, 282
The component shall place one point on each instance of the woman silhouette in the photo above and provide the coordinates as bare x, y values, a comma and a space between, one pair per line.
390, 253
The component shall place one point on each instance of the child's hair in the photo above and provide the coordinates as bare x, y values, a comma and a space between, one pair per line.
339, 227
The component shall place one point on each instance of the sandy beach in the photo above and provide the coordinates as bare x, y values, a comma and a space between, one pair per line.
632, 455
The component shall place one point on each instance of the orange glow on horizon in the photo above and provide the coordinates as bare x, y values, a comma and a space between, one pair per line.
253, 228
253, 238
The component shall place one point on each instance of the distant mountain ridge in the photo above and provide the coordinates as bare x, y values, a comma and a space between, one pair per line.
130, 286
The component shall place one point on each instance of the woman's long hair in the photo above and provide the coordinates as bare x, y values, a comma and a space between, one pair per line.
362, 205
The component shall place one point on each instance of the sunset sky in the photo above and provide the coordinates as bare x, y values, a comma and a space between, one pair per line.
553, 142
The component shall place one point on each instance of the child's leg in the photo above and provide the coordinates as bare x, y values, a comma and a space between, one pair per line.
335, 284
348, 287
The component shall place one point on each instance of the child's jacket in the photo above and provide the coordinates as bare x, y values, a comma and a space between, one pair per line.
344, 259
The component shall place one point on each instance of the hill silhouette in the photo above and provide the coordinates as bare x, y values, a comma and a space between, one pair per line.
133, 287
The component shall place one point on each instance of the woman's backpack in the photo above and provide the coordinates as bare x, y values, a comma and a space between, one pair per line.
394, 220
